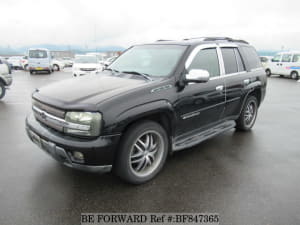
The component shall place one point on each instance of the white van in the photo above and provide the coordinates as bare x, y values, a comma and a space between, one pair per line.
39, 59
285, 64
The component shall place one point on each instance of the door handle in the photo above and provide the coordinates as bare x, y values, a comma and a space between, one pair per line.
247, 81
220, 88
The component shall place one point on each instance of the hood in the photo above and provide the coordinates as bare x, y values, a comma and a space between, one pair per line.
86, 65
86, 90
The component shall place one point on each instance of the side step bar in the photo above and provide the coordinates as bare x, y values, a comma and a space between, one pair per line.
189, 141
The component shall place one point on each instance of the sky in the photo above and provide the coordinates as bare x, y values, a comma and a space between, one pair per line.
266, 24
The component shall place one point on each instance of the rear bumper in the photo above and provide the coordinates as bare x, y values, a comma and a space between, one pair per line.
98, 153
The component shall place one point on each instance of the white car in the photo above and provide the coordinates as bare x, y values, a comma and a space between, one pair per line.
67, 61
86, 64
285, 64
24, 63
57, 65
15, 61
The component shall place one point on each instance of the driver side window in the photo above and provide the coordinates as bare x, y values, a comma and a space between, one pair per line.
207, 59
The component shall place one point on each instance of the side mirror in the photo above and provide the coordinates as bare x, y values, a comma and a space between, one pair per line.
197, 76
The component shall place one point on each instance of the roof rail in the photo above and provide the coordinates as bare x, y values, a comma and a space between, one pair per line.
164, 40
217, 39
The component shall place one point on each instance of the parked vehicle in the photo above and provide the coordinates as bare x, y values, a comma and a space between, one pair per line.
3, 60
5, 78
86, 64
67, 61
57, 65
15, 61
39, 59
100, 56
153, 100
285, 64
24, 62
265, 60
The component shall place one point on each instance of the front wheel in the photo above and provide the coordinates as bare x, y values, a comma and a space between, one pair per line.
268, 72
143, 152
248, 115
56, 67
2, 90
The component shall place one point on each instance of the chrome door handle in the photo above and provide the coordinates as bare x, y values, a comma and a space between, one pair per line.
247, 81
220, 88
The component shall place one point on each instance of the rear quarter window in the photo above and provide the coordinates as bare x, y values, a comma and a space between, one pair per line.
251, 57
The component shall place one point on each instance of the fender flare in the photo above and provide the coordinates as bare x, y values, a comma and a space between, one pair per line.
145, 110
249, 89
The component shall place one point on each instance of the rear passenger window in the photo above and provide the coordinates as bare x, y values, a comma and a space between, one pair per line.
207, 59
286, 58
252, 57
296, 58
229, 60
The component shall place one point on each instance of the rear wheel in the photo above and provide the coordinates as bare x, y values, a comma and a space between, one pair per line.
248, 115
143, 152
268, 72
294, 75
2, 90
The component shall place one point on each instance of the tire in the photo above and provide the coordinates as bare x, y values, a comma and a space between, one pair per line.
2, 90
31, 72
294, 75
143, 152
56, 67
26, 67
248, 115
268, 72
49, 72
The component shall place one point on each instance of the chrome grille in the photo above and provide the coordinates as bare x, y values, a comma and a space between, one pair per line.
48, 115
49, 109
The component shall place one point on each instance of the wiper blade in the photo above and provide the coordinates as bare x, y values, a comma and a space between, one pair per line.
146, 76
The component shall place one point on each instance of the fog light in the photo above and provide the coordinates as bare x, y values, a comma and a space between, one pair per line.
77, 157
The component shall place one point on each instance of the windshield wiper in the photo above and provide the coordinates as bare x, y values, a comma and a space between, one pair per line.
146, 76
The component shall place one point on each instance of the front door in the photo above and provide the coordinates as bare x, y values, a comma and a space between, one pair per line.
201, 104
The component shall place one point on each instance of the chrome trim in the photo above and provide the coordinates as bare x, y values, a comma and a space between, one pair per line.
44, 116
195, 52
197, 112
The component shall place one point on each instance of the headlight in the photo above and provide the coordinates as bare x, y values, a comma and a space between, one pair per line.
83, 123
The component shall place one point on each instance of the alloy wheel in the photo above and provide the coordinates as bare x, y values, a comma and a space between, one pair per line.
250, 113
146, 153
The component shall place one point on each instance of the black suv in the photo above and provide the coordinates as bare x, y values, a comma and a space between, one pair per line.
153, 100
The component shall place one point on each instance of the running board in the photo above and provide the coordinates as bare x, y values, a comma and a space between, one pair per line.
195, 139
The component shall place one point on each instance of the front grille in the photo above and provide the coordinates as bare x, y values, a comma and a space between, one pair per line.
87, 69
49, 109
53, 117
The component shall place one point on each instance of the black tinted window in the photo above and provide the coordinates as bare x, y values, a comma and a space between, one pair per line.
252, 57
207, 59
229, 60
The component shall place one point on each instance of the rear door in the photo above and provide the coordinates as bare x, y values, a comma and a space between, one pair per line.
201, 104
235, 79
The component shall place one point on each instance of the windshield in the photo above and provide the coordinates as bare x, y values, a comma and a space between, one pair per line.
154, 60
86, 59
37, 54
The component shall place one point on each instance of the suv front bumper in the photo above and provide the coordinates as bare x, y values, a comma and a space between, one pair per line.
98, 153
